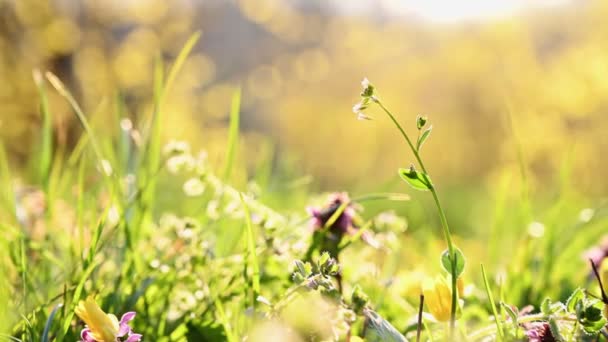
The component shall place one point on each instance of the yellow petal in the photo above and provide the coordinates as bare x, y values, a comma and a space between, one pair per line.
103, 327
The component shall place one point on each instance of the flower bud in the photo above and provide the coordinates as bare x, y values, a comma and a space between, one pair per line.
368, 88
421, 121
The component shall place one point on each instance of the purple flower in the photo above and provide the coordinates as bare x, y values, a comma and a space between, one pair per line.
344, 222
539, 332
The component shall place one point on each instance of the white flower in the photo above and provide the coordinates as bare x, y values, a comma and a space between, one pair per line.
536, 229
358, 108
365, 83
362, 116
194, 187
174, 147
180, 163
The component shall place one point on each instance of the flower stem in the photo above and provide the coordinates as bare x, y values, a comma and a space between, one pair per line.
444, 222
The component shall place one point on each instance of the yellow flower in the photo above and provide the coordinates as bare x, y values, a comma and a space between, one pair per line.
438, 297
103, 327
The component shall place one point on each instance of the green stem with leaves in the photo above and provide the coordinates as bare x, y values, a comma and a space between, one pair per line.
444, 221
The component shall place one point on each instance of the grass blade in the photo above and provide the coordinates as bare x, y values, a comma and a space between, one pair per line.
6, 182
252, 257
46, 148
491, 298
68, 319
233, 134
49, 322
62, 90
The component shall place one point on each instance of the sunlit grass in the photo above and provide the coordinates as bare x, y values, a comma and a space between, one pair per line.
216, 250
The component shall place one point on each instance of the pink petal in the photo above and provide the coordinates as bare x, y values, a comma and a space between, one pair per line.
127, 317
134, 338
123, 329
85, 335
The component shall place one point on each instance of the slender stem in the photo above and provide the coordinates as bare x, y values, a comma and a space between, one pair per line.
599, 280
419, 327
444, 222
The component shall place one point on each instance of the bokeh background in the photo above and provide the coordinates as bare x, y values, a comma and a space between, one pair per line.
494, 77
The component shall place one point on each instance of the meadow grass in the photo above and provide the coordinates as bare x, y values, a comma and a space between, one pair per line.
148, 226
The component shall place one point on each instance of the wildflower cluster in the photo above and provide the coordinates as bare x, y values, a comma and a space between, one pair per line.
367, 97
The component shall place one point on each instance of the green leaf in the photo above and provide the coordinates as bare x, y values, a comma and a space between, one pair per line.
423, 137
512, 314
446, 262
545, 306
418, 180
555, 330
576, 296
324, 258
593, 328
304, 271
594, 312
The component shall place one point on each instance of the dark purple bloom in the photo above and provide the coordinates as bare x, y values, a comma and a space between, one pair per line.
344, 222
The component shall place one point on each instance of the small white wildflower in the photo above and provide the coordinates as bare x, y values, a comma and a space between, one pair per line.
368, 90
233, 208
165, 268
174, 147
213, 210
586, 215
359, 107
361, 116
180, 163
155, 263
536, 229
194, 187
365, 83
186, 234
